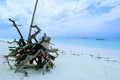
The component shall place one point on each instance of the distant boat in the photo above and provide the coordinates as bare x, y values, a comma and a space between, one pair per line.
100, 39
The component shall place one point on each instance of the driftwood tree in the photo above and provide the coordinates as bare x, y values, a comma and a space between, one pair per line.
28, 52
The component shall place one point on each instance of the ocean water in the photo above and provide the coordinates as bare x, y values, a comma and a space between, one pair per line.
109, 43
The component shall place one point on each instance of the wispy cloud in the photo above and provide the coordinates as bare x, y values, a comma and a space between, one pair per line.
64, 17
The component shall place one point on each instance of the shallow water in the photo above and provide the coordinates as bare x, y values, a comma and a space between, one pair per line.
110, 43
107, 43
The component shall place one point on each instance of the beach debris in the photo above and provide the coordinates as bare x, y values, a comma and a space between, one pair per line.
32, 51
75, 54
91, 55
62, 52
37, 51
99, 57
114, 61
107, 60
103, 58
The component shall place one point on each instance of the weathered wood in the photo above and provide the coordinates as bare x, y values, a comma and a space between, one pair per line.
29, 35
28, 52
21, 41
33, 36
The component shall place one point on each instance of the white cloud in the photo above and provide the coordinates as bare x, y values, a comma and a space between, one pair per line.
60, 17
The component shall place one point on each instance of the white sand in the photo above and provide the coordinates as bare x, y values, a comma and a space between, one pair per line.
73, 63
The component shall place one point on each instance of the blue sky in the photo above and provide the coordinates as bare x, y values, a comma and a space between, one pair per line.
62, 18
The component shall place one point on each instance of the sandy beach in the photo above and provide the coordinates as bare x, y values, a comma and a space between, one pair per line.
85, 33
73, 63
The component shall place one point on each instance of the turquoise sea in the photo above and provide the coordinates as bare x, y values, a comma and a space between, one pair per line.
107, 43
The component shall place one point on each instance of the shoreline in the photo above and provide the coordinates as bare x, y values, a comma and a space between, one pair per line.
80, 63
111, 53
